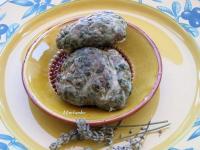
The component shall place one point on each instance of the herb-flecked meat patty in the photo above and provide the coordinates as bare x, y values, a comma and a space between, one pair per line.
90, 76
101, 29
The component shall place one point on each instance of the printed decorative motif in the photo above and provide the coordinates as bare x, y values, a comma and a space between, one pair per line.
180, 149
184, 12
9, 143
34, 6
6, 31
196, 133
193, 16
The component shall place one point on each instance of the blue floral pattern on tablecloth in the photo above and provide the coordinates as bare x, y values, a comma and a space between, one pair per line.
33, 7
6, 30
183, 12
9, 143
196, 133
179, 13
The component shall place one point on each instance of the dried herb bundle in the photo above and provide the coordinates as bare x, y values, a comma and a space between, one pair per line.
84, 132
105, 134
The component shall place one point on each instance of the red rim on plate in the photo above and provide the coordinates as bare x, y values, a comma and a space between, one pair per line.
110, 120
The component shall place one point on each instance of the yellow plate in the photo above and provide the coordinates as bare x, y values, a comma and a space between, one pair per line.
138, 48
177, 99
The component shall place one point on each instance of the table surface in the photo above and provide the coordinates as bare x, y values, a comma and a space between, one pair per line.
10, 21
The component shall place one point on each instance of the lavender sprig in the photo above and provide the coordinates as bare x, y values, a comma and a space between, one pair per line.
84, 132
106, 133
140, 125
137, 141
63, 139
148, 131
